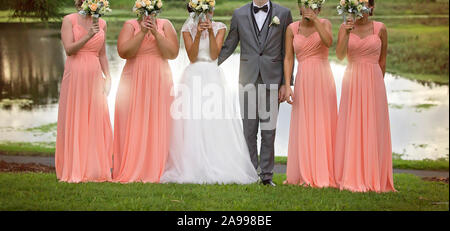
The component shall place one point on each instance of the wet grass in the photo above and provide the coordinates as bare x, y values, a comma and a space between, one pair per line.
42, 191
425, 106
43, 128
396, 106
418, 107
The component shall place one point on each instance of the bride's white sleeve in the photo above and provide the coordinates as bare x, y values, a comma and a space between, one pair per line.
218, 26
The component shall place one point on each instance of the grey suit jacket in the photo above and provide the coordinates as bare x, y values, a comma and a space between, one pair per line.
266, 59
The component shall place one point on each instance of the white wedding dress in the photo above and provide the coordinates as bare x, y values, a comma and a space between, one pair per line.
207, 148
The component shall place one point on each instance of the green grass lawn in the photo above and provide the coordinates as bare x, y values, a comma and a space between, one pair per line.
27, 148
426, 164
39, 191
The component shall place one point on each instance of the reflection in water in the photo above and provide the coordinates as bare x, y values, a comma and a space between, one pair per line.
32, 65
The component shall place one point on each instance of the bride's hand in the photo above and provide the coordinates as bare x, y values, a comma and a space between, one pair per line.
207, 25
200, 27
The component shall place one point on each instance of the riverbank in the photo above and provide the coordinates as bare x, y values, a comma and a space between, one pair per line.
47, 149
417, 31
41, 191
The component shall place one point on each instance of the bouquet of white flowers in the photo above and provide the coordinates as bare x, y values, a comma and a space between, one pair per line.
313, 4
147, 7
354, 8
202, 7
96, 8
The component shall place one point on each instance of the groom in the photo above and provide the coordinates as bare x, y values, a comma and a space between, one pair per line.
260, 27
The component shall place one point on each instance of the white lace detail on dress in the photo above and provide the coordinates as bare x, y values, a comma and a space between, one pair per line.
203, 51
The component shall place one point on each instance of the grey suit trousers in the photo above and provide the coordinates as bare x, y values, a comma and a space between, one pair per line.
259, 108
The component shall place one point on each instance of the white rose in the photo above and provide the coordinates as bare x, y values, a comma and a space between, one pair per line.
205, 7
275, 21
314, 6
159, 4
143, 3
195, 1
151, 7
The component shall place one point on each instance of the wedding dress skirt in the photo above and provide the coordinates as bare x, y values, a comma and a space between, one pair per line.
207, 148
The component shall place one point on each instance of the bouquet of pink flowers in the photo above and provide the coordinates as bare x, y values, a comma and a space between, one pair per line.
96, 8
354, 8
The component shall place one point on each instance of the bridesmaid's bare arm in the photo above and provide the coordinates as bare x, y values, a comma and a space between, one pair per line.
105, 66
168, 44
288, 65
324, 30
343, 37
128, 43
384, 45
102, 57
70, 46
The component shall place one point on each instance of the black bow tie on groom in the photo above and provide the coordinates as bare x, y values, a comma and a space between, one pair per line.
256, 9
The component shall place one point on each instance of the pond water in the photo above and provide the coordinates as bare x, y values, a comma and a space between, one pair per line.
32, 63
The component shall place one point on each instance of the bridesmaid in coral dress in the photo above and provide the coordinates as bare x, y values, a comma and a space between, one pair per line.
84, 133
363, 160
142, 114
314, 103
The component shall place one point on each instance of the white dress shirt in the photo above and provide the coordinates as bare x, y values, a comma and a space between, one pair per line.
261, 16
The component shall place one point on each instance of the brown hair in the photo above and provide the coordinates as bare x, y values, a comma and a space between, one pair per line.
371, 4
189, 9
78, 4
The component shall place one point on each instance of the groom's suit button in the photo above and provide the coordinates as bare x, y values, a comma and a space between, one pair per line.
260, 54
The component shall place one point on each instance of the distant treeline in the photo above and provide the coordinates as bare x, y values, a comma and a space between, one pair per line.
46, 9
42, 9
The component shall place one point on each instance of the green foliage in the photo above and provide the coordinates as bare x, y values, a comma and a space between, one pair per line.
42, 9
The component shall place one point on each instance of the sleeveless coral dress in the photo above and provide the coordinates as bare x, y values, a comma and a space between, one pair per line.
363, 160
142, 113
84, 133
314, 115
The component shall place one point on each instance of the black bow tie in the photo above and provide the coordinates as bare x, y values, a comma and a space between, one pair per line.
256, 9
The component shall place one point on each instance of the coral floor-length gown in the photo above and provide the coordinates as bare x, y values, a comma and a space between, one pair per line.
84, 132
142, 113
314, 115
363, 160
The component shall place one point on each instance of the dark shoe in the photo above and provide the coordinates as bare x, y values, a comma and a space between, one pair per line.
269, 182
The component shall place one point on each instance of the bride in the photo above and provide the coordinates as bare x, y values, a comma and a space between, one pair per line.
207, 146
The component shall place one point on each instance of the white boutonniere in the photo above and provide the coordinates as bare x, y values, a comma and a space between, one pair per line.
275, 21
